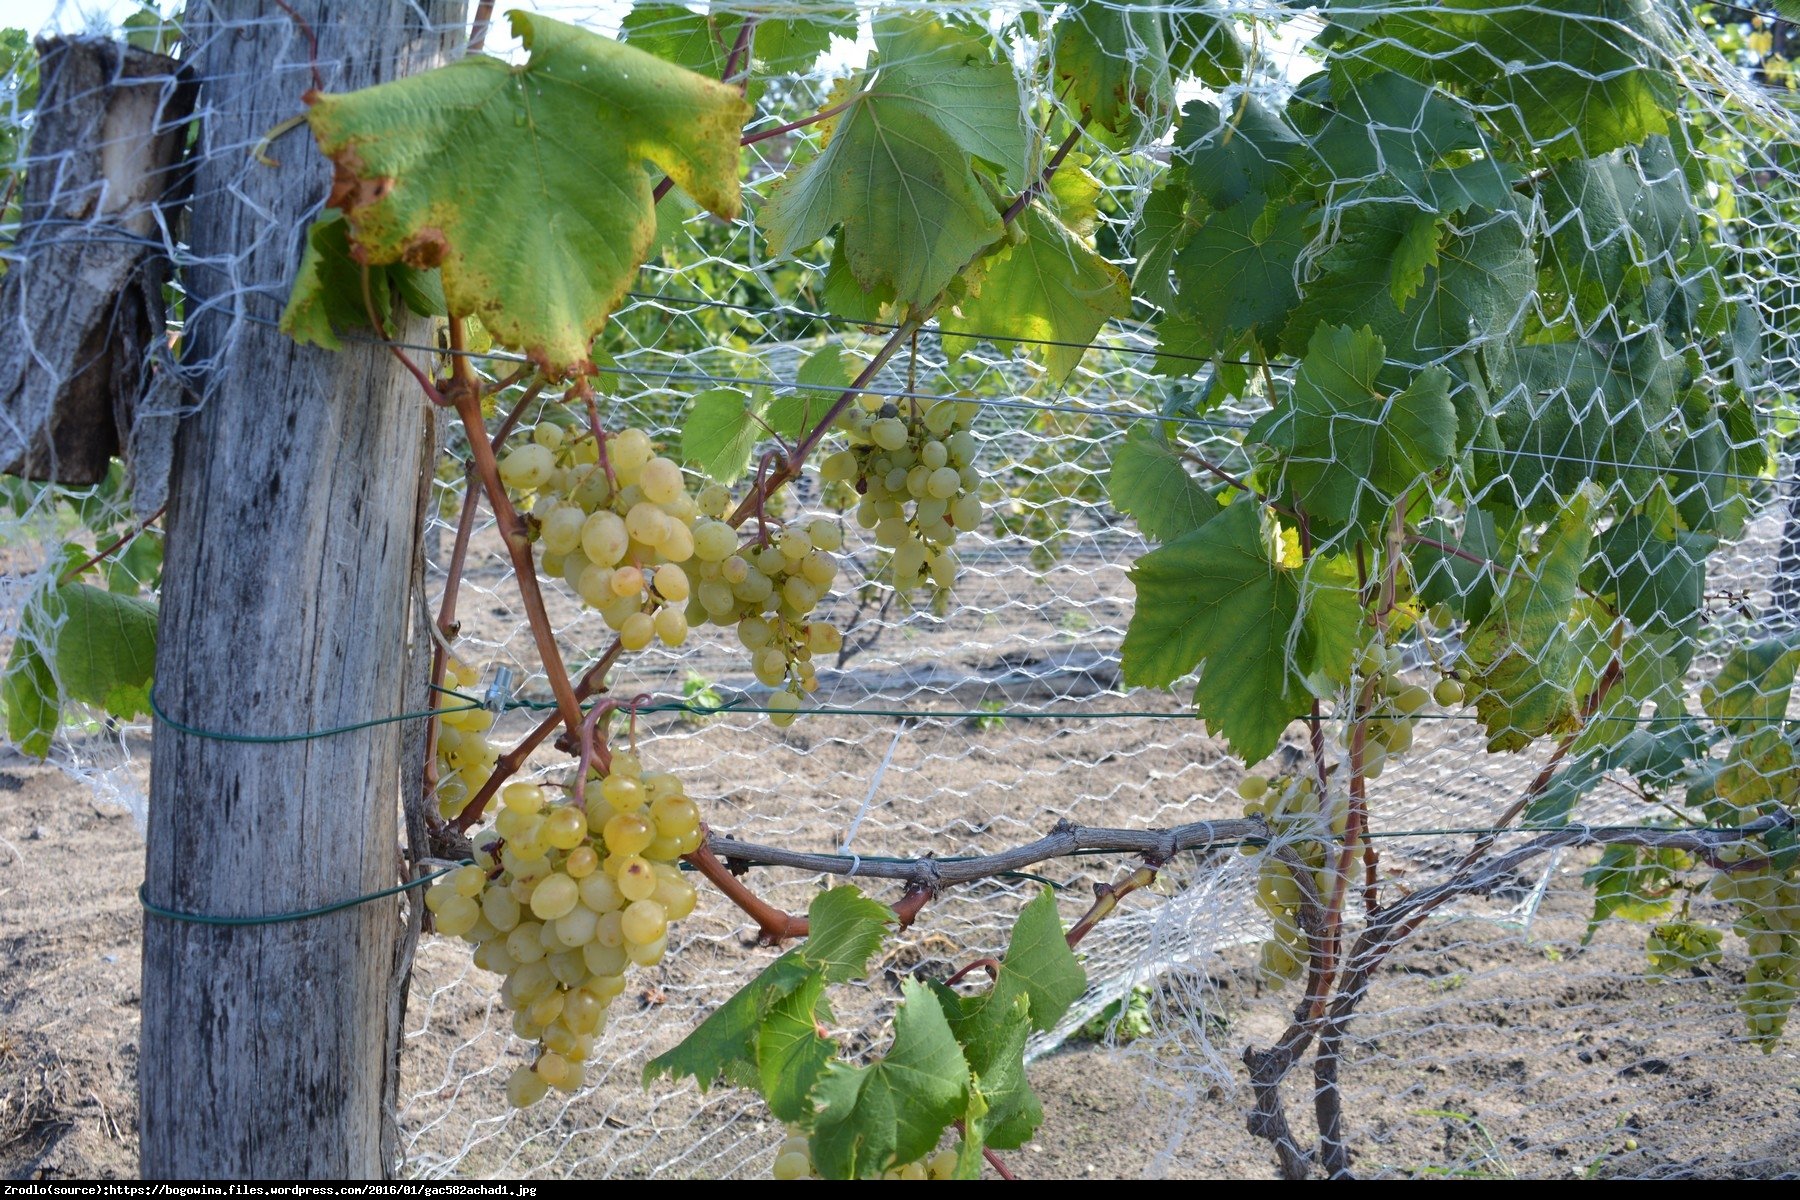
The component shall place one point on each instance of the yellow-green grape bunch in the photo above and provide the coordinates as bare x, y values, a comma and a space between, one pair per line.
913, 467
1681, 946
1395, 709
620, 548
1290, 805
768, 592
564, 899
794, 1161
465, 757
1768, 903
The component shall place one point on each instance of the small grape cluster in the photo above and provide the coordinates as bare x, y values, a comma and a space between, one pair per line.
1768, 903
1681, 946
465, 756
1395, 708
618, 539
564, 899
924, 459
794, 1161
1290, 805
768, 590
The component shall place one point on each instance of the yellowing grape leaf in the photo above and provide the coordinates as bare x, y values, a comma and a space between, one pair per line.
897, 175
525, 184
77, 642
1115, 60
1216, 600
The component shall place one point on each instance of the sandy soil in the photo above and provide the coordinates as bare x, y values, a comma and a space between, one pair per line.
1486, 1052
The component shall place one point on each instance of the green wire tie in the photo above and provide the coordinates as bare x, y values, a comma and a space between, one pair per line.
157, 710
282, 918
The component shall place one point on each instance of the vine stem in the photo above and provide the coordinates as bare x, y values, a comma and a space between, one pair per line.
465, 394
825, 114
1211, 467
738, 59
130, 535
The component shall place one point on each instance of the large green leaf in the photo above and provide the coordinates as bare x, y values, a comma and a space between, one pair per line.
1149, 482
1236, 273
1476, 288
1570, 81
1655, 578
525, 184
897, 175
1568, 412
1613, 222
1115, 61
1386, 127
33, 703
1522, 658
895, 1109
1048, 285
1040, 964
785, 41
1462, 581
1248, 153
1351, 449
845, 928
1216, 600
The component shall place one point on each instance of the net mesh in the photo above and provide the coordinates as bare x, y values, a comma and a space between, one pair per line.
1501, 1040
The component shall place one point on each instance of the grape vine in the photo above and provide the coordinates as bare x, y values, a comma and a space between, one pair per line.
1506, 419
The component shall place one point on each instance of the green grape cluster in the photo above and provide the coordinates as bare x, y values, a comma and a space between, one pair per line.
768, 590
1395, 707
1681, 946
1768, 903
564, 899
1290, 805
794, 1161
913, 468
465, 756
618, 541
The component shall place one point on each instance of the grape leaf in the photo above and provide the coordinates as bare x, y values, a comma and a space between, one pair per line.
784, 43
1483, 275
33, 703
1160, 232
721, 427
1040, 963
1249, 154
1613, 220
845, 928
793, 413
328, 288
790, 1053
503, 176
1522, 659
1415, 254
82, 643
895, 1109
1752, 687
1656, 579
897, 174
1444, 578
1115, 61
1387, 126
1569, 81
1148, 481
724, 1045
1204, 45
1215, 599
1049, 285
1236, 273
993, 1028
1350, 448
